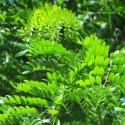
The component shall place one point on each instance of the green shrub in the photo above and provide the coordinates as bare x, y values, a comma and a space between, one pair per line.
80, 84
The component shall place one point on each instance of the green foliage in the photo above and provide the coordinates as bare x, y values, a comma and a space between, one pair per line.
10, 69
84, 81
67, 84
43, 23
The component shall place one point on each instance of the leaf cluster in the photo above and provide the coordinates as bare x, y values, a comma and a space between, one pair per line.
51, 23
87, 82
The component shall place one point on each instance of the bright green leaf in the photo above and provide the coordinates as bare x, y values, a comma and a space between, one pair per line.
21, 53
52, 112
111, 77
114, 68
116, 78
119, 109
101, 71
98, 80
119, 9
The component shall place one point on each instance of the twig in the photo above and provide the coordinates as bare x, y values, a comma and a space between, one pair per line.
52, 1
9, 25
99, 114
118, 40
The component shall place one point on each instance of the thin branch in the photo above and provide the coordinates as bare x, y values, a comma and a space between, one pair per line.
52, 1
104, 13
99, 114
9, 25
18, 4
118, 40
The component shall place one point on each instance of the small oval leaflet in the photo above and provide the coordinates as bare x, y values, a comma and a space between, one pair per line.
98, 80
111, 77
114, 68
101, 71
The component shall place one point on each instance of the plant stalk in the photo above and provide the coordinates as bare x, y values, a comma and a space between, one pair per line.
99, 114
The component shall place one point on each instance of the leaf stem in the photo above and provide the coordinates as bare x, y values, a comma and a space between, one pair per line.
99, 114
